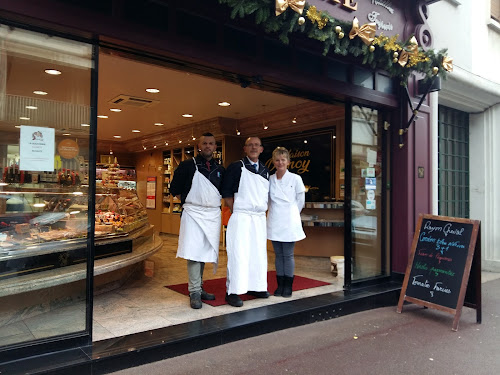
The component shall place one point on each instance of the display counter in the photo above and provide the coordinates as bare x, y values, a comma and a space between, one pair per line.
323, 224
43, 227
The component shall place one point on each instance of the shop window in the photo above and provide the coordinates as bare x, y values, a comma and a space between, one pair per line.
363, 77
337, 70
44, 186
239, 41
453, 164
197, 28
276, 52
148, 13
385, 84
309, 63
495, 10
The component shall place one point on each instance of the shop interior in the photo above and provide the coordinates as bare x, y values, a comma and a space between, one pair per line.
149, 119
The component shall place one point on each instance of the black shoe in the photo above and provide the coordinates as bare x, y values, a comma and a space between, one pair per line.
279, 290
287, 286
234, 300
207, 296
195, 300
259, 294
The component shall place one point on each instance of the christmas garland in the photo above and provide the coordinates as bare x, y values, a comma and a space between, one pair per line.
398, 58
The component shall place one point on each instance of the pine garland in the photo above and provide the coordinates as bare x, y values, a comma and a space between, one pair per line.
384, 52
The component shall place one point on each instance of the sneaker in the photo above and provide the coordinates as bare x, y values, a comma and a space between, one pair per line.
195, 300
259, 294
234, 300
207, 296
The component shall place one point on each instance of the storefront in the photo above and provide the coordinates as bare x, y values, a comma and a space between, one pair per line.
122, 89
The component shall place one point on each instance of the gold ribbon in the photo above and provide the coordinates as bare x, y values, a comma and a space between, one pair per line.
413, 46
448, 63
403, 58
296, 5
365, 32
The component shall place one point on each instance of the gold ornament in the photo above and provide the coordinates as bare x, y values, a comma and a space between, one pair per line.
301, 21
447, 63
296, 5
413, 46
338, 29
403, 58
372, 48
341, 35
435, 70
315, 16
365, 32
395, 60
395, 55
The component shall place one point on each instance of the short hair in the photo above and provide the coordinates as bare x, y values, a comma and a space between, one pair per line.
281, 151
254, 136
207, 135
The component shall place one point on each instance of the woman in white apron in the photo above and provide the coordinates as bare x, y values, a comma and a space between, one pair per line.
284, 226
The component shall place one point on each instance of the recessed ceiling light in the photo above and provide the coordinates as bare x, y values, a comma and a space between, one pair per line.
38, 92
238, 132
334, 137
102, 116
159, 124
66, 133
24, 118
180, 141
154, 146
187, 115
85, 125
166, 143
136, 131
294, 121
153, 91
144, 147
266, 127
17, 126
117, 136
224, 104
31, 107
53, 72
115, 109
305, 140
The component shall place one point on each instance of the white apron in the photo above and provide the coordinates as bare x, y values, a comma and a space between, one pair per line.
283, 219
246, 236
199, 233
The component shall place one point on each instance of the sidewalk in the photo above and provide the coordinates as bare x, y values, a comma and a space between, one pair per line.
418, 341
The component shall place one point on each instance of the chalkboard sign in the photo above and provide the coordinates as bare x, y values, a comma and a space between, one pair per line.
440, 265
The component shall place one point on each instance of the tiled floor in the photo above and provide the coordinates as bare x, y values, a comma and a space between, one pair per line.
146, 304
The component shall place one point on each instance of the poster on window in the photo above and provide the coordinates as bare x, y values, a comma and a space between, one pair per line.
36, 148
310, 158
151, 192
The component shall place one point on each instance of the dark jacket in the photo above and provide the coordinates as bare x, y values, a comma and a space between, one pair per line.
233, 174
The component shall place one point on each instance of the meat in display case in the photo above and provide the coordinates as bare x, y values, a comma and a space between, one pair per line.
46, 228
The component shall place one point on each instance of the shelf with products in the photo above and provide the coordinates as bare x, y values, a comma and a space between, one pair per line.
116, 175
43, 229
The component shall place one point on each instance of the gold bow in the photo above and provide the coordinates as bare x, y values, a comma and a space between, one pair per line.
403, 58
448, 63
365, 32
296, 5
413, 46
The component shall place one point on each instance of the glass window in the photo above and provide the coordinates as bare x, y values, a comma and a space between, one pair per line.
363, 77
44, 153
369, 259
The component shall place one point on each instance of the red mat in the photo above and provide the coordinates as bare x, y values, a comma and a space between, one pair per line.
218, 287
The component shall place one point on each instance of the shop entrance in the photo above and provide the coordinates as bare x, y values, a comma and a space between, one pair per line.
149, 119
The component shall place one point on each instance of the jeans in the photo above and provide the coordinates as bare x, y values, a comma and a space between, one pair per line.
195, 275
284, 261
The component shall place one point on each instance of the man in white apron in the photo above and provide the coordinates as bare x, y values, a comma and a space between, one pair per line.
197, 182
245, 191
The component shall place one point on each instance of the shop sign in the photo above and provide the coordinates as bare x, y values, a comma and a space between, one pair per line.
386, 14
310, 158
68, 149
151, 192
36, 148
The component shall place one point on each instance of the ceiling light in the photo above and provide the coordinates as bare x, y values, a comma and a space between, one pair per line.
38, 92
102, 116
31, 107
136, 131
117, 136
294, 121
77, 192
305, 140
144, 147
66, 133
159, 124
166, 143
24, 118
154, 146
238, 132
111, 152
39, 205
187, 115
266, 127
224, 104
194, 138
153, 91
334, 137
85, 125
180, 141
17, 126
115, 110
53, 72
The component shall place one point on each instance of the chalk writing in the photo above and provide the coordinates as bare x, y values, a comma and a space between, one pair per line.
421, 266
439, 271
439, 288
423, 284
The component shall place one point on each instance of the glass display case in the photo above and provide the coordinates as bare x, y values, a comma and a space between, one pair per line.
45, 227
